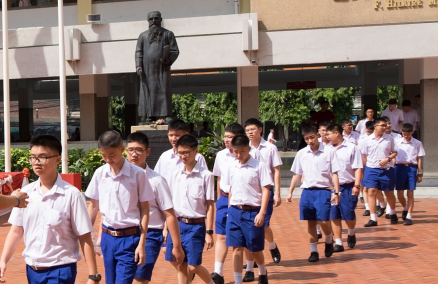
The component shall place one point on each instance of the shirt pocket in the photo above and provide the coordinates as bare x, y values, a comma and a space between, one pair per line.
196, 191
55, 218
323, 165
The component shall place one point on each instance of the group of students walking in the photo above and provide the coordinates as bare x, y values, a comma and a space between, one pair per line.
171, 208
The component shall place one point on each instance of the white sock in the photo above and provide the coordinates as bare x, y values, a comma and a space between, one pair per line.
405, 208
329, 239
262, 269
360, 194
250, 265
351, 232
388, 209
409, 216
313, 247
373, 217
272, 245
392, 211
238, 277
377, 202
219, 268
318, 229
338, 242
382, 204
367, 206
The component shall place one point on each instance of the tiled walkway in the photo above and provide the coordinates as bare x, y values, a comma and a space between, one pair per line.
384, 254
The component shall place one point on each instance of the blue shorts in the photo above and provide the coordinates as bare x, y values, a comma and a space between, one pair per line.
241, 231
347, 204
154, 239
221, 215
269, 209
382, 179
119, 257
192, 240
61, 274
315, 204
406, 177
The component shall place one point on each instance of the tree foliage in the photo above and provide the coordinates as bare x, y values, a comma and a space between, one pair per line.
117, 105
220, 109
341, 100
187, 107
384, 94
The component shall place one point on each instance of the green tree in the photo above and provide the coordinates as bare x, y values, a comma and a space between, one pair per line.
186, 107
340, 99
220, 109
384, 94
118, 113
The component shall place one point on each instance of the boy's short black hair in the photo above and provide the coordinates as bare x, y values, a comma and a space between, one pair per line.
325, 102
138, 137
417, 96
240, 140
253, 121
369, 125
312, 112
309, 129
325, 123
385, 118
235, 128
335, 128
407, 127
365, 109
187, 140
380, 120
345, 121
406, 103
109, 139
392, 102
47, 141
178, 124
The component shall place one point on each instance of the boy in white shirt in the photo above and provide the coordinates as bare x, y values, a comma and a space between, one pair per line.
192, 189
249, 198
121, 191
222, 165
320, 166
363, 196
410, 116
271, 137
408, 169
395, 115
160, 209
361, 125
321, 131
348, 133
53, 222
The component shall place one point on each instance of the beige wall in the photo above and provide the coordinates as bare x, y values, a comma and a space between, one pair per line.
304, 14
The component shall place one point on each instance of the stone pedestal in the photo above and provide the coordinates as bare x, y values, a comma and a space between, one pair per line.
158, 141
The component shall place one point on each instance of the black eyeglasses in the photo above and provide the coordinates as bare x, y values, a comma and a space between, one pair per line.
40, 160
138, 151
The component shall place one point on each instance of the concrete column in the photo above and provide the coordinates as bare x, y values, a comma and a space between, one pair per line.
247, 93
369, 86
94, 92
131, 95
25, 110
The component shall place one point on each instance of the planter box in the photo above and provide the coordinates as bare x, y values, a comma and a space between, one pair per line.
73, 179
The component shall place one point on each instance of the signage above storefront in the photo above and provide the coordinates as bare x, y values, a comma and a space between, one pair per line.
396, 4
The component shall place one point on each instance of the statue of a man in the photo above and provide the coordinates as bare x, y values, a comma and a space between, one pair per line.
155, 53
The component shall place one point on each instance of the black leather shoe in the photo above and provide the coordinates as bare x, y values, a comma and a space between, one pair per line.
254, 266
351, 241
319, 236
275, 253
338, 248
328, 250
381, 211
249, 276
394, 219
407, 222
361, 200
217, 279
387, 216
314, 256
404, 214
378, 208
370, 223
263, 279
366, 213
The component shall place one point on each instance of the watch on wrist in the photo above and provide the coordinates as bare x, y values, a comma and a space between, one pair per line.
210, 232
357, 186
338, 193
95, 277
420, 175
389, 159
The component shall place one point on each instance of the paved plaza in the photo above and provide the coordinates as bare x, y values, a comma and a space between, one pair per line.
384, 254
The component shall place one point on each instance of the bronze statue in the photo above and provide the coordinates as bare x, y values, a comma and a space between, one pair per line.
155, 53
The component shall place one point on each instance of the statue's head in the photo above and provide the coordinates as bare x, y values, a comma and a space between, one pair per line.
154, 19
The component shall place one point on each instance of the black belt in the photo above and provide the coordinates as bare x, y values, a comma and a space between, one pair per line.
407, 165
191, 221
122, 233
224, 193
247, 207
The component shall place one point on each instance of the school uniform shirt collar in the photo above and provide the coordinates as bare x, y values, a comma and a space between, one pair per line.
343, 144
56, 188
261, 145
403, 141
384, 136
194, 170
320, 149
249, 163
126, 170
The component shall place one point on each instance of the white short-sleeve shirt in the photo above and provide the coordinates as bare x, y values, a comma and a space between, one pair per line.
396, 116
52, 223
119, 196
269, 154
247, 181
411, 117
317, 167
169, 162
361, 126
377, 149
409, 151
161, 202
222, 165
352, 138
190, 192
350, 159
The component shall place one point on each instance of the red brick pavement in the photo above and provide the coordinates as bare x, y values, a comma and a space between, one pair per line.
383, 254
